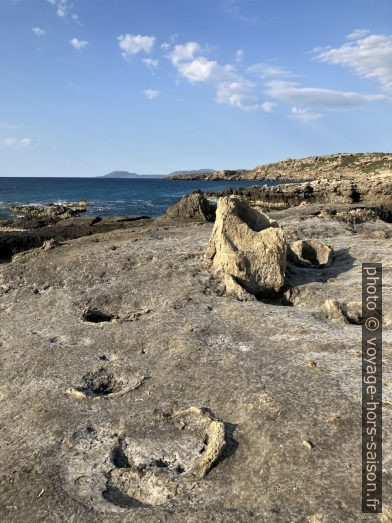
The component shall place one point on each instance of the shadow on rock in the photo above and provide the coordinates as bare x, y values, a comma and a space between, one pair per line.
231, 443
296, 276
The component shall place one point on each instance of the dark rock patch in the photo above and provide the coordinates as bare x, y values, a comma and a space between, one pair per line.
193, 207
93, 315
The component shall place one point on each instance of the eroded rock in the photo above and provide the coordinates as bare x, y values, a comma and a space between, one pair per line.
110, 381
114, 472
369, 191
211, 429
195, 207
50, 244
310, 253
60, 211
247, 250
344, 313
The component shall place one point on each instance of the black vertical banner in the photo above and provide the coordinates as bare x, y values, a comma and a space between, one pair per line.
372, 388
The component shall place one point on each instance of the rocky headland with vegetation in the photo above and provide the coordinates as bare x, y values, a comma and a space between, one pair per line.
333, 167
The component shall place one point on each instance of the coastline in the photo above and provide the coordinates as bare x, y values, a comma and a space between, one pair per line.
333, 167
122, 350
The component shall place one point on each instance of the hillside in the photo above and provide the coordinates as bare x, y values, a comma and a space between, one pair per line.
336, 167
191, 173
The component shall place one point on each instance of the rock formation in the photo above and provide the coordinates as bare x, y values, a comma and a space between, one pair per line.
310, 253
60, 211
332, 167
247, 250
342, 312
193, 206
30, 232
373, 192
84, 439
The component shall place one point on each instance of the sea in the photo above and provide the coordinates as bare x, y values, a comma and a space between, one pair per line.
108, 196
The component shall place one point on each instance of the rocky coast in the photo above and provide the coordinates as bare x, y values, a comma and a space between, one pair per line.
202, 366
332, 167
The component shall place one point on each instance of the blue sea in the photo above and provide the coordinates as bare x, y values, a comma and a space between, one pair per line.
107, 196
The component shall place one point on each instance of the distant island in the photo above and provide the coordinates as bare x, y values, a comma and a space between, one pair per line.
127, 174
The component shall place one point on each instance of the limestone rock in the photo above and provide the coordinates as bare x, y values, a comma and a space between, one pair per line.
247, 250
213, 431
311, 253
29, 232
193, 206
111, 381
332, 167
50, 244
344, 313
124, 458
361, 192
59, 211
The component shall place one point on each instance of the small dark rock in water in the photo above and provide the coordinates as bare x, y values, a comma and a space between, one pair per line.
52, 210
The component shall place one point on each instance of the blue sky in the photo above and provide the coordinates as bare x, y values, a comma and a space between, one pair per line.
152, 86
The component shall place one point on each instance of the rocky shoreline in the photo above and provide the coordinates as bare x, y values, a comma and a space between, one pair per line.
176, 369
333, 167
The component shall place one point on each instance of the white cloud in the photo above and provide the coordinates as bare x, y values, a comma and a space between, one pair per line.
231, 88
328, 98
231, 7
17, 144
76, 19
38, 31
357, 34
368, 56
263, 71
64, 8
184, 52
239, 55
151, 63
78, 44
203, 70
268, 107
238, 94
151, 93
134, 44
10, 142
304, 115
236, 8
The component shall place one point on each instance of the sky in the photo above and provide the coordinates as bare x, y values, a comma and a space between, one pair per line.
153, 86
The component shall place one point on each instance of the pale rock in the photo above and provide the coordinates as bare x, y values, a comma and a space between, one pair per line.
247, 250
311, 253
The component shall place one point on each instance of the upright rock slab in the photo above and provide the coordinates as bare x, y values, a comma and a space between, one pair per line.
247, 250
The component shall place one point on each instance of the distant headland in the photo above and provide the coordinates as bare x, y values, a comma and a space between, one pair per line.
126, 174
